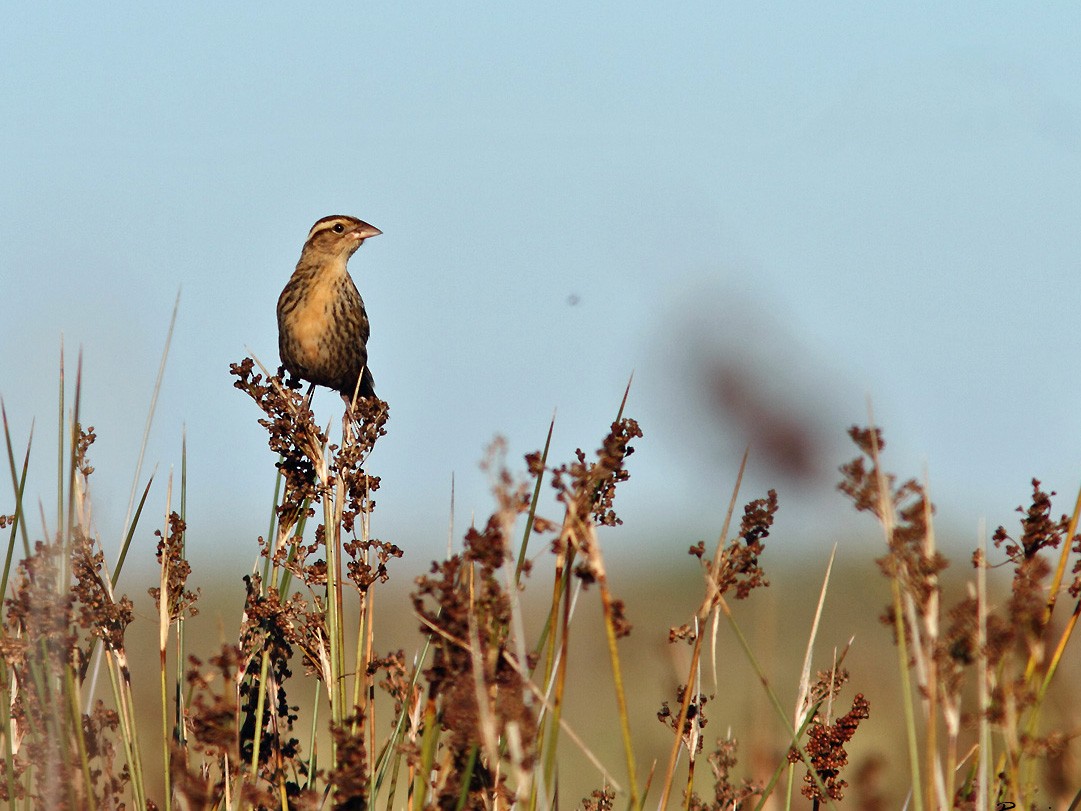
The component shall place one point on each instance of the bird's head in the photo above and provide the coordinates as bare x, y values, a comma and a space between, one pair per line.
338, 236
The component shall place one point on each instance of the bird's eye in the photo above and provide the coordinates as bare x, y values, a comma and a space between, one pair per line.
338, 228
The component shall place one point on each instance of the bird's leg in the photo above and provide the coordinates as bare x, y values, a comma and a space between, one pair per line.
347, 423
351, 402
349, 418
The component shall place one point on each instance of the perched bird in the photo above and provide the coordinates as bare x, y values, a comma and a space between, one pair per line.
322, 326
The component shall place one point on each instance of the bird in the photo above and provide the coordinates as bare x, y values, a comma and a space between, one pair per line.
322, 325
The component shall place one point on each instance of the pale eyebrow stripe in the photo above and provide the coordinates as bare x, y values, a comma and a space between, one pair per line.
324, 224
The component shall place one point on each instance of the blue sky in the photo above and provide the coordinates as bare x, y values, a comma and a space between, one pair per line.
769, 212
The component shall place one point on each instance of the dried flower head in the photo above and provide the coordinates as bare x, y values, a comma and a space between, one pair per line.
826, 750
171, 556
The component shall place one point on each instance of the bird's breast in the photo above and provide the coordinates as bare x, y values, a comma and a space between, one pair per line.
307, 316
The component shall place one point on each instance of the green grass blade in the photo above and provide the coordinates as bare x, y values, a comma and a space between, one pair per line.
131, 533
18, 483
533, 504
152, 409
60, 444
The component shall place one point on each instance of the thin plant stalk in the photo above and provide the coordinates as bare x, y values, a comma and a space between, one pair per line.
621, 696
1035, 656
535, 787
774, 700
935, 788
332, 538
428, 744
885, 512
155, 392
179, 733
72, 473
75, 711
60, 443
533, 504
18, 483
405, 717
311, 743
1033, 720
559, 623
984, 670
271, 539
360, 692
130, 533
704, 610
260, 708
117, 668
164, 601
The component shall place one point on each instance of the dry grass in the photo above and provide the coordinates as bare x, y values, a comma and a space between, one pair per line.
525, 676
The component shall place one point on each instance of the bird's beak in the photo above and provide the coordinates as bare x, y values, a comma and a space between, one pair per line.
364, 231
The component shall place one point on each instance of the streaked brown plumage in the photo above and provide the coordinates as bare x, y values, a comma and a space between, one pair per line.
322, 326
